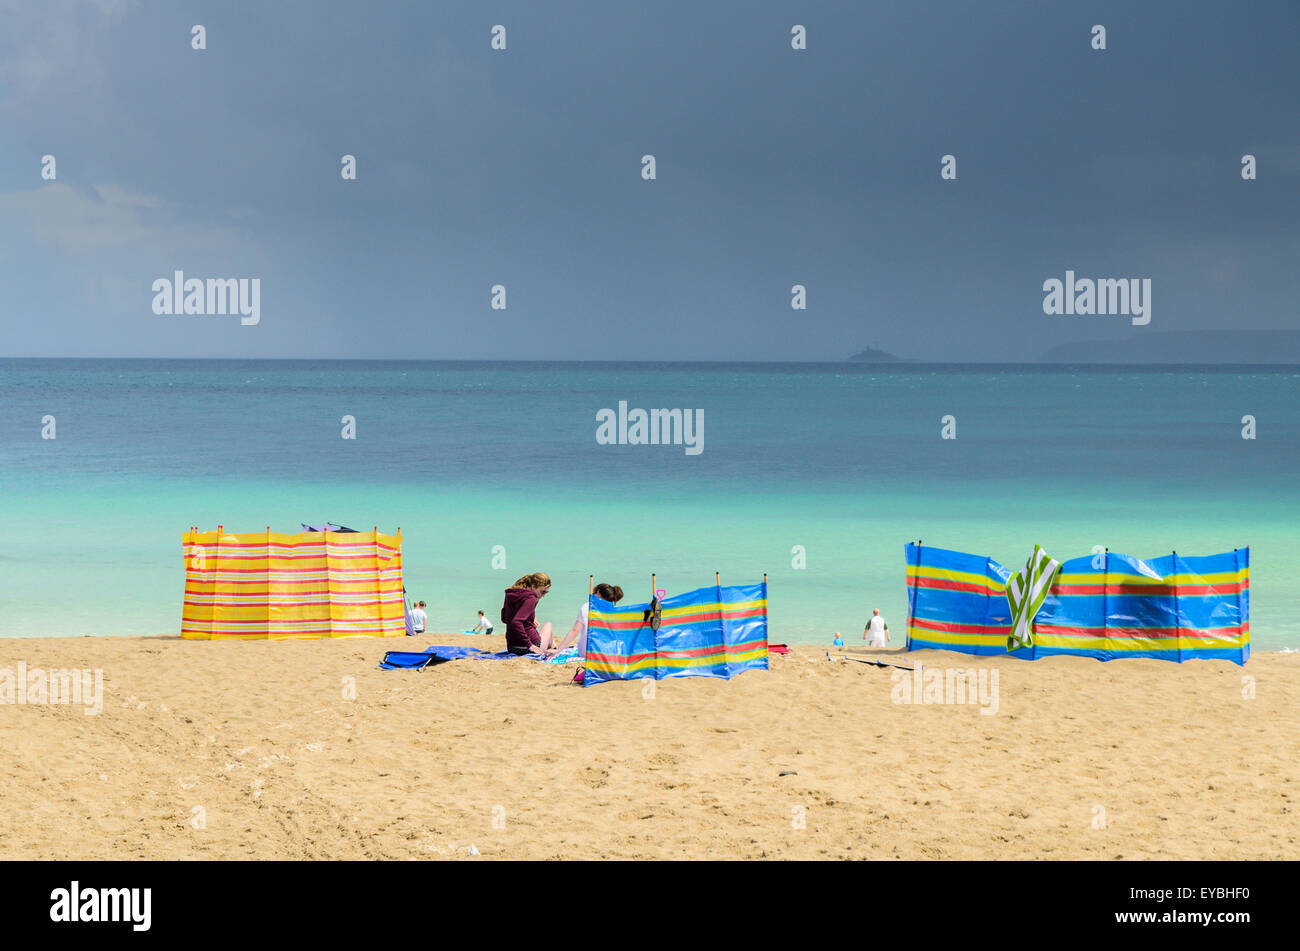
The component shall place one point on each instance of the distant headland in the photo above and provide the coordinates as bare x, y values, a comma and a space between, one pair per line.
872, 355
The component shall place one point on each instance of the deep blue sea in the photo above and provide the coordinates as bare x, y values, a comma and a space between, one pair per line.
815, 473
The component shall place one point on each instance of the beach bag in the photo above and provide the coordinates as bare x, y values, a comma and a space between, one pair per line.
580, 676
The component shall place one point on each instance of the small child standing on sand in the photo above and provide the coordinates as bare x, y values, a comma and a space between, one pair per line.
838, 641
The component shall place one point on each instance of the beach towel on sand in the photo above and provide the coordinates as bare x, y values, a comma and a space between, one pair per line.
568, 655
441, 653
1026, 591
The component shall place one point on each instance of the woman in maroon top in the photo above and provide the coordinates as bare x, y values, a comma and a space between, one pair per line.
519, 615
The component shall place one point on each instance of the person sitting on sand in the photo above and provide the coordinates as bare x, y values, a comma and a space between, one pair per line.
484, 626
578, 633
877, 629
519, 615
419, 617
837, 641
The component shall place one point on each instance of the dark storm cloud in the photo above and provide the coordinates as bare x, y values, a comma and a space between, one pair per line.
522, 168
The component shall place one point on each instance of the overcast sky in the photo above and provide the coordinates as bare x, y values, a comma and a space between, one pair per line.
522, 167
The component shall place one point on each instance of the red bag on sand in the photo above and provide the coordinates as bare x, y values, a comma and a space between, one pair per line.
777, 649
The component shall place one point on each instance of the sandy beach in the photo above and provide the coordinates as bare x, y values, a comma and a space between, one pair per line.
304, 749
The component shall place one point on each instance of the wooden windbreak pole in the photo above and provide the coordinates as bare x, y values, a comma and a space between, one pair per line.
591, 585
717, 578
653, 588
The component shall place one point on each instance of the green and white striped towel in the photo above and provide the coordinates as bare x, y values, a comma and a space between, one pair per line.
1026, 592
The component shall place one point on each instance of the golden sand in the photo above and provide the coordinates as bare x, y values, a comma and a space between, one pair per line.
303, 749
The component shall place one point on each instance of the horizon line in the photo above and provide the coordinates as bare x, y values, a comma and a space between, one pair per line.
899, 361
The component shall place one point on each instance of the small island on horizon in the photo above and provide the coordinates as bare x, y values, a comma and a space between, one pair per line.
872, 355
1241, 347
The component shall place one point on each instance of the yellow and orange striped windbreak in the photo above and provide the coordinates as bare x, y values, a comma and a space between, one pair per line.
312, 584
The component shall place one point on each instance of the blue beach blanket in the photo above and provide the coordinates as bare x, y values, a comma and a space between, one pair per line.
506, 655
449, 652
438, 654
441, 653
561, 658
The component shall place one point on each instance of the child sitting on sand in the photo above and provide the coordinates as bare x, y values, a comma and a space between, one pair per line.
838, 641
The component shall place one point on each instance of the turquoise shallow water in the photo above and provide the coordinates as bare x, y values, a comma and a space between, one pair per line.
845, 461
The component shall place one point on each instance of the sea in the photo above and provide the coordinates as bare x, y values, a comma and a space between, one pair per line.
815, 474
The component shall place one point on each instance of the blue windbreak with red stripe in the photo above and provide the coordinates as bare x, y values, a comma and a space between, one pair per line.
709, 632
1106, 606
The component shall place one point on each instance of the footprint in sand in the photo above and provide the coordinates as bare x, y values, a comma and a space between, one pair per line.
593, 777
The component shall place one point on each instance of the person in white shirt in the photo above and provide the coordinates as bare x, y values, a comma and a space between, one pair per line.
877, 630
484, 626
419, 617
578, 633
